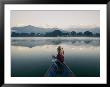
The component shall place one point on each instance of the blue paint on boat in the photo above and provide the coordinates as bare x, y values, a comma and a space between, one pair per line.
58, 69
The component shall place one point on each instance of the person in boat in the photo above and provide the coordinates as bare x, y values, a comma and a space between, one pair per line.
60, 55
60, 59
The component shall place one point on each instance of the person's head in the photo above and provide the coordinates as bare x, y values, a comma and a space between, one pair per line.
59, 49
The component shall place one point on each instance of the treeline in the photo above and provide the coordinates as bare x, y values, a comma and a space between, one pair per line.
56, 33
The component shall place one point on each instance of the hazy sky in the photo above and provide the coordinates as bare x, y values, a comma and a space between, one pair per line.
60, 19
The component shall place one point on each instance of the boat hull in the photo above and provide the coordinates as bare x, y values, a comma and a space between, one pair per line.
59, 70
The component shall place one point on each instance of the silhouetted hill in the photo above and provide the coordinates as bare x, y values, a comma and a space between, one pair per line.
32, 29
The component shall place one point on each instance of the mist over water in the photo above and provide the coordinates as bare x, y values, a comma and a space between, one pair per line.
31, 56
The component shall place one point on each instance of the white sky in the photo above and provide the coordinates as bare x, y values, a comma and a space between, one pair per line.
60, 19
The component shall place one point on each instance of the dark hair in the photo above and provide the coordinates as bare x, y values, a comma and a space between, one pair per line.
59, 48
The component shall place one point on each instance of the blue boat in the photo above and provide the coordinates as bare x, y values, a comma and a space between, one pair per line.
58, 69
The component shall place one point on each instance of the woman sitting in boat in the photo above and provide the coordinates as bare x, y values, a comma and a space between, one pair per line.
60, 55
60, 59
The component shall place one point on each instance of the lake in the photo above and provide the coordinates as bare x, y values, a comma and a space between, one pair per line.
32, 56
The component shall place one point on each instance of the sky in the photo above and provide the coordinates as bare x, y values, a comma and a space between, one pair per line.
60, 19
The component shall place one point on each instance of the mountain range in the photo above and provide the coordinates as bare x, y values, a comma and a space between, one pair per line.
33, 29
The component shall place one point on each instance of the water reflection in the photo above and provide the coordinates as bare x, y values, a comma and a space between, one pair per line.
82, 55
32, 42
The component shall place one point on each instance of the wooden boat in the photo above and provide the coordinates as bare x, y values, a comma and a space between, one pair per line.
58, 69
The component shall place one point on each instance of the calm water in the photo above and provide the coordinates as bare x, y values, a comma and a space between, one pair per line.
31, 56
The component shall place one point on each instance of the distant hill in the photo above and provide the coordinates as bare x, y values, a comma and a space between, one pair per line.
93, 30
28, 29
32, 29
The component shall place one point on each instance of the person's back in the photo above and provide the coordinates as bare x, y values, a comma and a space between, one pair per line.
60, 55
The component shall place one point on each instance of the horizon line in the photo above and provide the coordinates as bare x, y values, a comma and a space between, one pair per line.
71, 26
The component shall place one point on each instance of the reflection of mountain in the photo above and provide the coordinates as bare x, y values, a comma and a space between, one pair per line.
40, 42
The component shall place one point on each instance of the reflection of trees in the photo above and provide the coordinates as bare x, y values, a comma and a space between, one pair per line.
74, 41
33, 42
56, 42
87, 41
